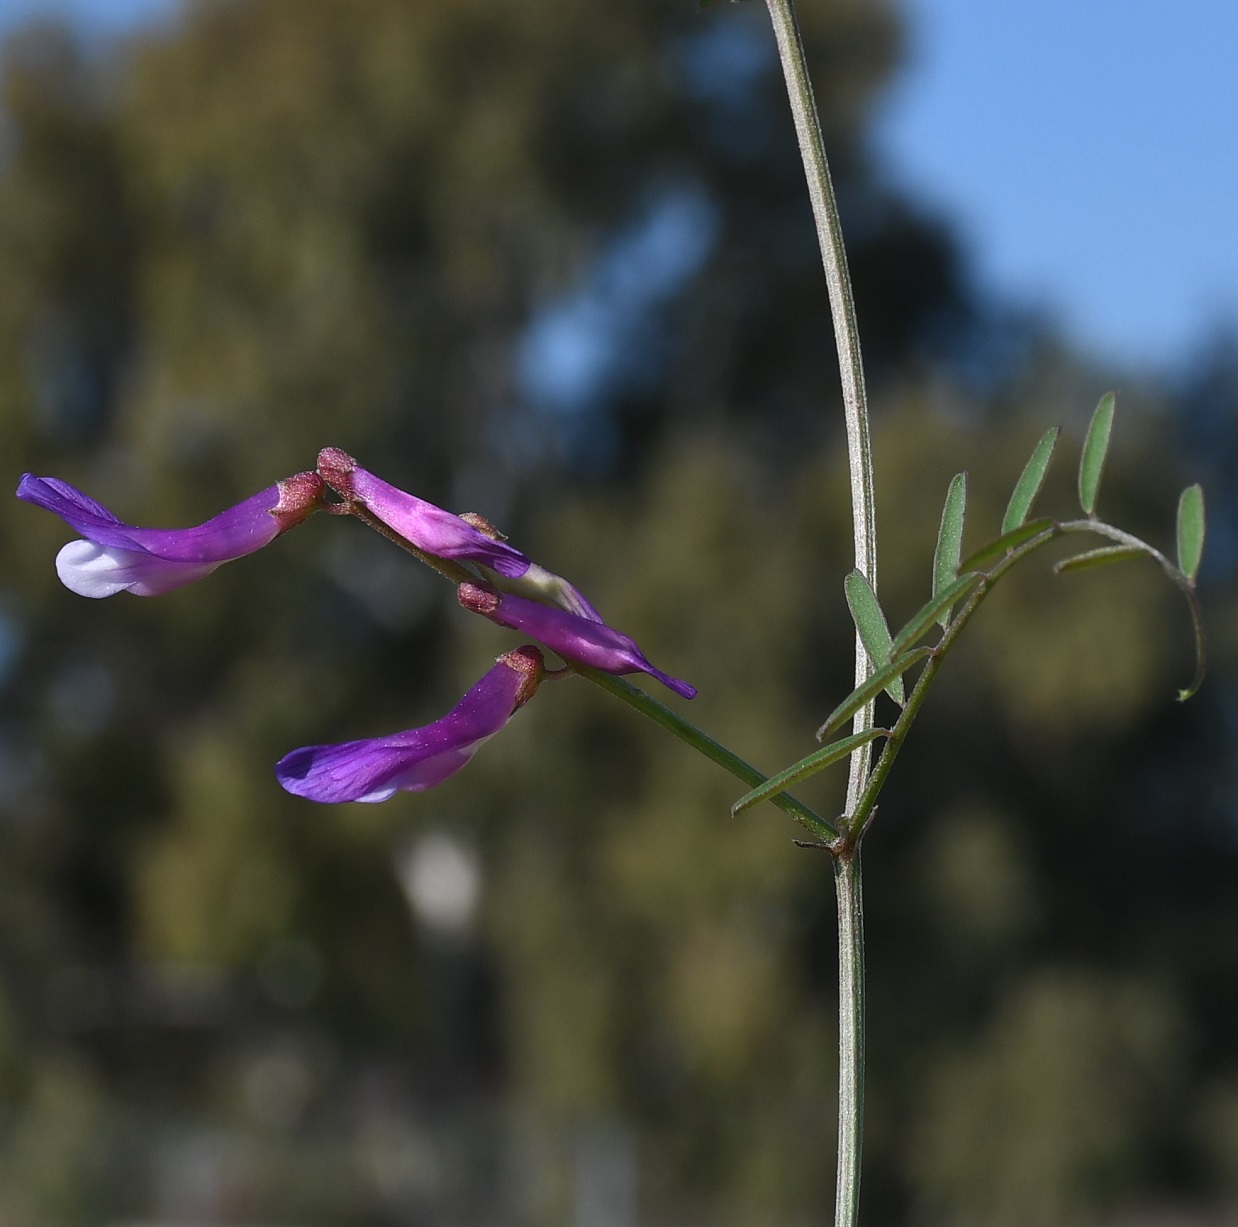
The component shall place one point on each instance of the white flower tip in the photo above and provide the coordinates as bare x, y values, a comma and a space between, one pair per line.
379, 794
93, 570
96, 571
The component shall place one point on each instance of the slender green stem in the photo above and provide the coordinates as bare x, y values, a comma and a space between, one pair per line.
864, 524
846, 336
848, 886
706, 745
850, 893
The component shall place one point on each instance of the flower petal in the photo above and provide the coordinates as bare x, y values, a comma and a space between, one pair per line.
573, 637
377, 768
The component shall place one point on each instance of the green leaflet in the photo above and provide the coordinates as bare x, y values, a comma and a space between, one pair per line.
1100, 557
933, 612
814, 762
1030, 480
869, 691
1191, 531
1002, 545
950, 540
1095, 447
871, 624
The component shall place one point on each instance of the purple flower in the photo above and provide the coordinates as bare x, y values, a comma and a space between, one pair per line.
441, 534
376, 769
114, 557
429, 528
574, 638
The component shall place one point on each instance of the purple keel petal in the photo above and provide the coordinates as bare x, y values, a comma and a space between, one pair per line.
377, 768
431, 529
573, 637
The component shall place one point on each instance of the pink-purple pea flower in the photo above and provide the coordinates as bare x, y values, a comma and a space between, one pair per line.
375, 769
444, 535
429, 528
576, 639
113, 557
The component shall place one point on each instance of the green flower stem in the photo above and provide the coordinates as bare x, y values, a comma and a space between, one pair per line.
713, 750
846, 336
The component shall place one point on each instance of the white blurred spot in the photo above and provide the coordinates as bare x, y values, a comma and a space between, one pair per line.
605, 1176
441, 879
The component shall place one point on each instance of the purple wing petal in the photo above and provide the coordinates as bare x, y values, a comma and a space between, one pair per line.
375, 769
367, 770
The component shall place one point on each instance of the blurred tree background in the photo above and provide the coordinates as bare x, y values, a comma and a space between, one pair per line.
554, 263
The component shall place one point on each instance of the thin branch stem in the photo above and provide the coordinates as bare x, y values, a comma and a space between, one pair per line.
1183, 582
647, 705
448, 569
846, 336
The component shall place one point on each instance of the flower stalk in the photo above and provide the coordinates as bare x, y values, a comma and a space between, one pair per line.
713, 750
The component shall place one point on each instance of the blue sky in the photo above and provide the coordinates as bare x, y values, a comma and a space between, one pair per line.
94, 16
1086, 150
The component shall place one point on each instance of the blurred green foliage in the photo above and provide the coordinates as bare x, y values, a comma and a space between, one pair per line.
280, 225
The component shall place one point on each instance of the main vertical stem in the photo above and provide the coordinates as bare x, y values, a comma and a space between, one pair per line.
859, 450
850, 892
846, 335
